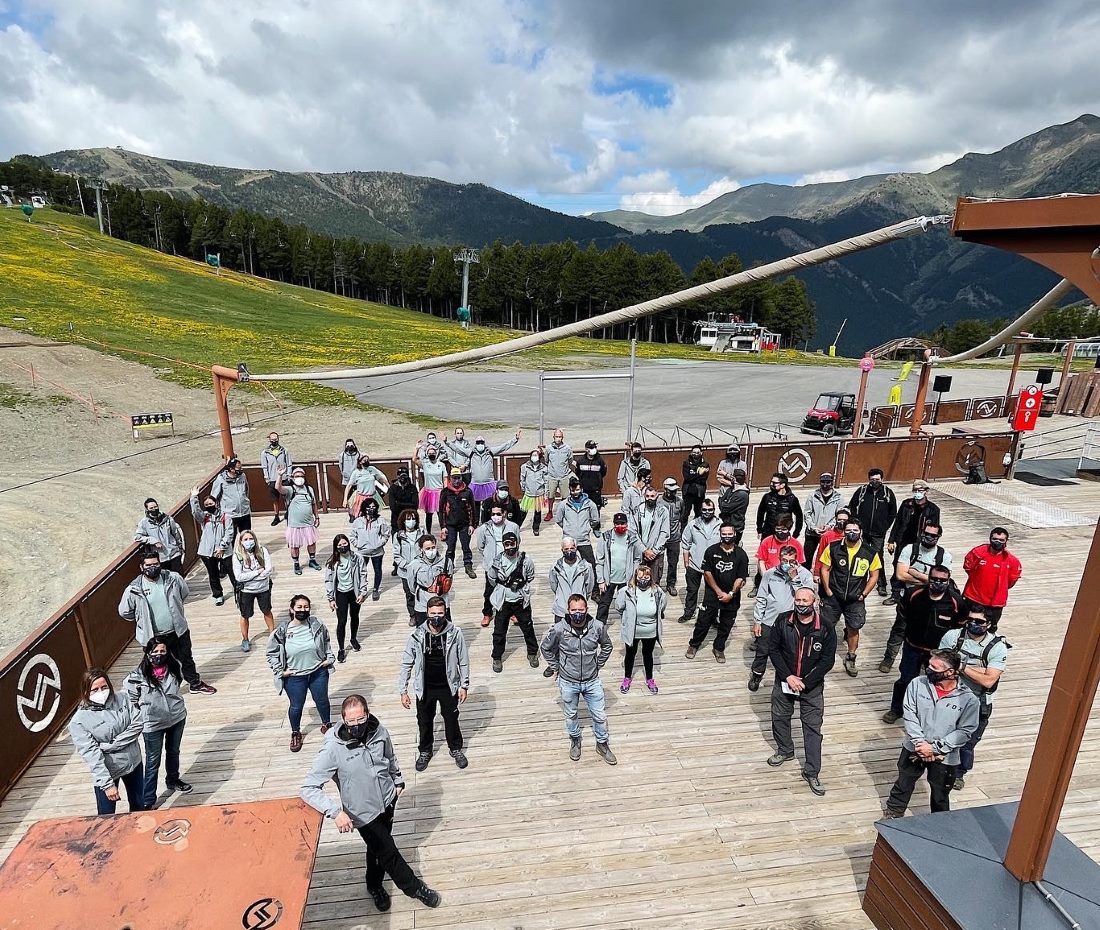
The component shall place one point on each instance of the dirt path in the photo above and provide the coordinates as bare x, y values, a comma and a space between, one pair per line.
58, 534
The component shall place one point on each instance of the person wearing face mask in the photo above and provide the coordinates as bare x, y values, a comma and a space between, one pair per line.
733, 500
511, 576
489, 540
105, 731
652, 525
778, 502
731, 462
820, 514
503, 499
699, 535
929, 612
677, 510
458, 519
437, 662
482, 465
569, 575
403, 495
579, 518
346, 590
161, 532
427, 576
369, 535
634, 496
153, 602
348, 461
576, 648
914, 514
991, 572
850, 568
230, 490
830, 536
302, 518
641, 605
912, 570
767, 553
696, 475
875, 506
274, 457
632, 462
559, 465
215, 542
618, 554
406, 549
940, 717
802, 648
155, 690
775, 598
433, 470
591, 469
254, 569
984, 659
458, 451
359, 758
725, 570
365, 483
533, 484
300, 657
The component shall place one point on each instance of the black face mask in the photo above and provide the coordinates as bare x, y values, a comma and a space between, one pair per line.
158, 658
577, 618
728, 542
936, 677
301, 614
511, 551
782, 534
436, 624
853, 537
357, 730
644, 583
929, 541
153, 514
803, 609
997, 545
211, 508
570, 556
977, 627
150, 571
636, 457
343, 548
937, 587
708, 515
273, 443
351, 448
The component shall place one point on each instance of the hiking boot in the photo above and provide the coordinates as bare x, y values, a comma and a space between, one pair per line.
574, 748
460, 758
890, 717
498, 666
355, 644
297, 568
625, 686
890, 601
752, 592
548, 672
341, 656
815, 784
218, 601
325, 727
422, 761
381, 898
604, 749
671, 590
960, 783
886, 664
754, 681
375, 594
535, 530
652, 685
850, 665
889, 814
779, 758
683, 619
719, 657
296, 742
427, 897
246, 646
315, 565
470, 571
203, 688
486, 619
275, 522
393, 571
183, 788
690, 653
533, 660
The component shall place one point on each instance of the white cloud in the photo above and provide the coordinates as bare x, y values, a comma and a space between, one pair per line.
668, 200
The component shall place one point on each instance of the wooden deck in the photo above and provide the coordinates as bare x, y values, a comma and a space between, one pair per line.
691, 829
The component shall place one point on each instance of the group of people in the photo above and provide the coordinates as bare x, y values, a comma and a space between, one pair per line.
951, 656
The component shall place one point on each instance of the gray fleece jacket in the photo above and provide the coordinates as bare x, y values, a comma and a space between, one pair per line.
604, 542
107, 738
456, 658
134, 605
276, 649
406, 548
216, 530
369, 539
497, 575
232, 494
532, 479
483, 464
559, 460
698, 537
165, 534
628, 472
358, 582
820, 514
947, 723
486, 541
626, 603
271, 459
252, 577
161, 706
577, 518
567, 580
652, 527
577, 655
421, 576
775, 595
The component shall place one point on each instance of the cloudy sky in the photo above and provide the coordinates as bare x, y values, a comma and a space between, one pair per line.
580, 105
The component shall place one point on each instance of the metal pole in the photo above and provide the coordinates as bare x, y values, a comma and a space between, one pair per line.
542, 407
99, 207
630, 397
466, 285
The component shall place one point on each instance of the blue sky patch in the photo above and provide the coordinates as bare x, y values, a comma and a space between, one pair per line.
650, 91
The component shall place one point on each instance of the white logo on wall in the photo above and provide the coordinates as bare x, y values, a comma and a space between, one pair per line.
795, 464
39, 692
986, 409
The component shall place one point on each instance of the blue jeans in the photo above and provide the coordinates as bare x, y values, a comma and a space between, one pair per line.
592, 691
135, 793
166, 741
316, 683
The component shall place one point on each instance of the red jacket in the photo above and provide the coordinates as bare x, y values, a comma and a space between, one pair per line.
989, 575
768, 550
827, 539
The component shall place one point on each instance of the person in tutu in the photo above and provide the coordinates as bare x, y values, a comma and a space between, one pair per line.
302, 518
433, 469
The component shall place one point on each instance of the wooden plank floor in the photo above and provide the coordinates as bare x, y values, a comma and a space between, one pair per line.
691, 829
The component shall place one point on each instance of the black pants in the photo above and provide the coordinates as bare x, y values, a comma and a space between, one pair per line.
912, 664
487, 605
240, 524
454, 534
501, 622
693, 506
215, 568
346, 605
761, 645
410, 598
811, 711
809, 548
966, 754
425, 717
877, 543
940, 779
180, 647
536, 521
672, 562
647, 657
383, 856
714, 613
693, 578
994, 615
174, 564
588, 554
603, 607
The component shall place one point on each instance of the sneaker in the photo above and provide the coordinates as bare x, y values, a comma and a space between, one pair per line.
412, 620
671, 590
960, 783
535, 530
427, 897
574, 748
498, 666
815, 784
883, 593
533, 660
690, 653
296, 742
460, 758
375, 594
381, 898
297, 569
719, 657
779, 758
890, 717
315, 565
470, 571
325, 727
203, 688
341, 656
548, 673
393, 573
218, 601
625, 686
754, 681
683, 619
886, 664
355, 644
486, 619
850, 665
752, 593
652, 685
608, 756
422, 761
246, 646
181, 786
275, 522
892, 814
890, 601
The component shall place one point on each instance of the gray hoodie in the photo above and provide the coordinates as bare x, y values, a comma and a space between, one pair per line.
486, 541
633, 498
107, 738
421, 576
271, 459
532, 479
276, 648
366, 773
483, 464
216, 530
698, 537
567, 580
628, 472
161, 706
369, 539
406, 548
819, 512
167, 533
497, 575
348, 462
559, 460
232, 494
255, 578
604, 542
626, 603
358, 582
577, 655
675, 508
456, 659
459, 451
652, 527
775, 595
135, 605
947, 723
577, 519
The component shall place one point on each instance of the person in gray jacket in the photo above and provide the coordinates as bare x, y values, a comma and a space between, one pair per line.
652, 526
273, 458
105, 731
819, 514
774, 597
369, 535
428, 575
569, 575
632, 461
634, 494
618, 553
579, 517
559, 465
159, 531
641, 604
437, 662
216, 534
533, 481
406, 548
677, 516
346, 590
458, 450
576, 649
511, 575
489, 539
940, 717
299, 655
482, 464
699, 535
153, 602
230, 490
154, 688
348, 461
358, 756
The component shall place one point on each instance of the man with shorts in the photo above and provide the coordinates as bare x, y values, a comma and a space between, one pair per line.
850, 569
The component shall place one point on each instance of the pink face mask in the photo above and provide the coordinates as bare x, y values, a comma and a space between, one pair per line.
159, 671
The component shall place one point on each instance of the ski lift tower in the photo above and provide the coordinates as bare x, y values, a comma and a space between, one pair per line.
468, 257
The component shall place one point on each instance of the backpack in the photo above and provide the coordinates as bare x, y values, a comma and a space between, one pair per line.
515, 581
957, 648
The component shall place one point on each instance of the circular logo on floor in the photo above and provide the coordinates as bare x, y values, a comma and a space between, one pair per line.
795, 464
262, 914
38, 694
171, 832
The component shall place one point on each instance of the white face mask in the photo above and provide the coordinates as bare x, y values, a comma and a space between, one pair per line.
299, 481
249, 544
410, 524
100, 697
502, 495
534, 458
430, 554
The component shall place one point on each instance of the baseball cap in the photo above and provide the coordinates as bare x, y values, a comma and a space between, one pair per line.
591, 444
671, 485
620, 519
827, 474
509, 537
456, 472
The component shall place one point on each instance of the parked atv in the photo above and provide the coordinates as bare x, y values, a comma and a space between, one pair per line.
833, 414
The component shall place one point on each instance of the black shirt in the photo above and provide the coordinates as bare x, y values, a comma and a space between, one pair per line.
435, 659
926, 619
726, 568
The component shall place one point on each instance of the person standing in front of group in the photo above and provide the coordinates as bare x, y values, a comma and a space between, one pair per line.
154, 603
365, 483
359, 758
230, 490
253, 569
699, 535
458, 519
511, 576
632, 462
915, 513
346, 590
302, 517
483, 466
820, 515
774, 599
696, 474
875, 507
850, 568
579, 518
489, 539
274, 457
618, 553
670, 558
576, 648
591, 469
159, 531
725, 570
533, 484
105, 731
369, 535
991, 572
215, 542
437, 662
802, 648
652, 525
433, 469
641, 605
559, 469
155, 689
299, 655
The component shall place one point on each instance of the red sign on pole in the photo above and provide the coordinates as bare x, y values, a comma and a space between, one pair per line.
1027, 408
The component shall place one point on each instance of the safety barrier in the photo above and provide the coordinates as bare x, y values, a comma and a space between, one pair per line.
894, 416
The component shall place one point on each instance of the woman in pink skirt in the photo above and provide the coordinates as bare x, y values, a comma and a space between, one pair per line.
302, 518
433, 469
365, 481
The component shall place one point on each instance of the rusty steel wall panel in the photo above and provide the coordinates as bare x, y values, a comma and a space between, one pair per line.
986, 408
900, 459
952, 456
952, 411
881, 421
801, 462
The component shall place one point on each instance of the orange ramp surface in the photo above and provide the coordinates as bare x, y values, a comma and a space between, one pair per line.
190, 868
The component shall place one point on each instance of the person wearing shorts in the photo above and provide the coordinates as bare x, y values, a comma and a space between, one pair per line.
253, 569
850, 569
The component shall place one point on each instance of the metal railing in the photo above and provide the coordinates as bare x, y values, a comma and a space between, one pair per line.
1062, 442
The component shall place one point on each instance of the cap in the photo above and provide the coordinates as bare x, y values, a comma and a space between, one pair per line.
456, 472
920, 485
402, 469
733, 447
827, 474
591, 444
671, 485
620, 519
509, 537
298, 470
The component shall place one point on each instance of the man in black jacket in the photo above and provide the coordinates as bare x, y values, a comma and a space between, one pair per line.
875, 506
915, 512
458, 518
696, 473
778, 500
505, 501
803, 650
591, 469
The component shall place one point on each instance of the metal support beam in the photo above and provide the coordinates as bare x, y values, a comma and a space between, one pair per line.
922, 397
581, 376
1015, 370
224, 379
